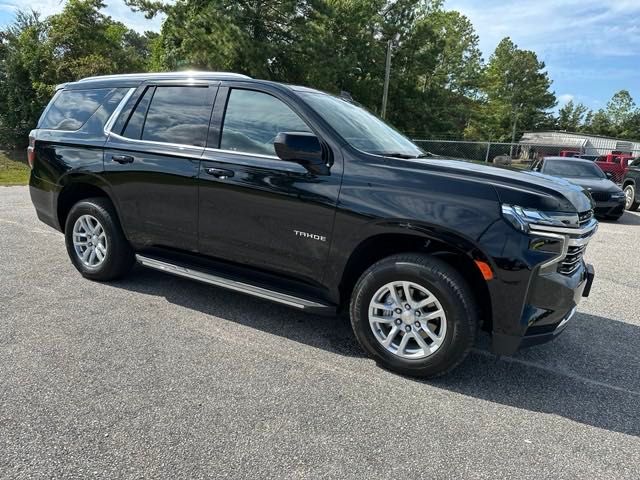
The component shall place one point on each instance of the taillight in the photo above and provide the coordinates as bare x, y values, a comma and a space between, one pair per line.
31, 152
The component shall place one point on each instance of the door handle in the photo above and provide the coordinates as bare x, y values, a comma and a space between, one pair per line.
122, 158
221, 173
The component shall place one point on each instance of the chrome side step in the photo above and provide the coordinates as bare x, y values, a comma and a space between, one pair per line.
235, 285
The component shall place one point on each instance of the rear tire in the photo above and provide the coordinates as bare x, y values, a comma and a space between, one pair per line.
630, 196
376, 315
95, 242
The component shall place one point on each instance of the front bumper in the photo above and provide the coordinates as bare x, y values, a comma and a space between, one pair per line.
610, 208
552, 303
534, 300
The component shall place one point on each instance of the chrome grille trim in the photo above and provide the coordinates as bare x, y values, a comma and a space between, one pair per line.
575, 242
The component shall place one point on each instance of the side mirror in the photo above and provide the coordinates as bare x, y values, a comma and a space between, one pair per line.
609, 175
303, 148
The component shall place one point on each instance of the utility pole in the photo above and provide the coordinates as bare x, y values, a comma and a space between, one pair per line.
387, 73
513, 131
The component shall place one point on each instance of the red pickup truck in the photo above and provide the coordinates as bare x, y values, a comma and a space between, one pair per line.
616, 164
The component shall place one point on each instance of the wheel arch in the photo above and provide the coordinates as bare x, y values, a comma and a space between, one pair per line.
457, 251
76, 188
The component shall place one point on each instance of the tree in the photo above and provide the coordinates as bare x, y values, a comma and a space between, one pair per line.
571, 116
620, 118
36, 55
516, 91
335, 45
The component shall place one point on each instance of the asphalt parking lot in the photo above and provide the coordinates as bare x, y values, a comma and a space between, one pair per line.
155, 376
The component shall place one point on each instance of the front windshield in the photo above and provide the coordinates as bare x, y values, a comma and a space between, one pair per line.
562, 168
360, 128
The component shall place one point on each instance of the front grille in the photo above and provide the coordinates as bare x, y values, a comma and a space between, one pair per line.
572, 261
585, 217
600, 196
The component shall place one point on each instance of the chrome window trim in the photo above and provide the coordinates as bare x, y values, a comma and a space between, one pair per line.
116, 113
153, 142
244, 154
186, 145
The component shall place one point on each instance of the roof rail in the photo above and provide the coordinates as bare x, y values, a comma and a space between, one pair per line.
167, 75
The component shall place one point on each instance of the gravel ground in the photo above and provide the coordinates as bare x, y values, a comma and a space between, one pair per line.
159, 377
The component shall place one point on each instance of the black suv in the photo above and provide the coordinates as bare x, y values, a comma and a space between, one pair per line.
306, 199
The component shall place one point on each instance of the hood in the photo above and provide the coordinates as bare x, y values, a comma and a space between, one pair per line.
595, 184
514, 186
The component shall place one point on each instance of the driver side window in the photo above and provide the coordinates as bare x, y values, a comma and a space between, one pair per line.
253, 119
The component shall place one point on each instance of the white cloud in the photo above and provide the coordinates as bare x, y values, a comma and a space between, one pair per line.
552, 27
117, 9
564, 99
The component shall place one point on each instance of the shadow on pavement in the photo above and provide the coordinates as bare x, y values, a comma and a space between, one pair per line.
627, 218
590, 374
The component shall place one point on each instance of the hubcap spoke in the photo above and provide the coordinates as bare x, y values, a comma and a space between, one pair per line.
432, 315
407, 293
403, 342
423, 345
392, 335
394, 295
380, 319
382, 306
424, 302
430, 334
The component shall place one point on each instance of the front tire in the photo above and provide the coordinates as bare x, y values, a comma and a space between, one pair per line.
95, 242
630, 198
414, 314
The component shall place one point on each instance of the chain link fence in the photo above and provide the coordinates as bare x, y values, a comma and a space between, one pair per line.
524, 154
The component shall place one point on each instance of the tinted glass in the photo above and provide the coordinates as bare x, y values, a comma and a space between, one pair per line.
252, 121
361, 129
572, 169
72, 108
179, 115
134, 125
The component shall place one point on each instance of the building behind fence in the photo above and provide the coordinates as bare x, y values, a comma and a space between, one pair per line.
525, 151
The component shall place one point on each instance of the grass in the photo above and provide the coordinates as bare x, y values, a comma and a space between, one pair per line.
13, 168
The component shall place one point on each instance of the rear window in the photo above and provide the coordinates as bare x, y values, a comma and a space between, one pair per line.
71, 109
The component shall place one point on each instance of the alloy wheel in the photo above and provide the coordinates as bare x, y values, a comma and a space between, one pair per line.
628, 197
90, 241
407, 320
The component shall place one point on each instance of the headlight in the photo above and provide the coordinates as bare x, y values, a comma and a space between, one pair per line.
617, 195
521, 217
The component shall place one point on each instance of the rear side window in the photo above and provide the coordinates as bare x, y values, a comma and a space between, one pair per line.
179, 115
136, 121
71, 109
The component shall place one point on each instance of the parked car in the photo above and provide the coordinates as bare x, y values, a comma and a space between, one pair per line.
608, 197
631, 185
308, 200
615, 164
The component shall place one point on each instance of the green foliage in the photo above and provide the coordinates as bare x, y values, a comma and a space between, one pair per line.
517, 94
36, 55
571, 116
620, 118
439, 86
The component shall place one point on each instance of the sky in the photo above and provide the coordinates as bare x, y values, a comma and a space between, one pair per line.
591, 47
